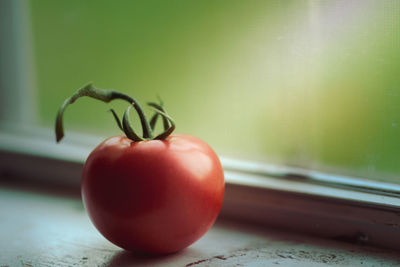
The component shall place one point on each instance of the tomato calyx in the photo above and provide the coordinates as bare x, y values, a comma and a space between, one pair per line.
126, 126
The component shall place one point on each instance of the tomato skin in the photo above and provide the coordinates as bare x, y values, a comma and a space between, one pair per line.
155, 196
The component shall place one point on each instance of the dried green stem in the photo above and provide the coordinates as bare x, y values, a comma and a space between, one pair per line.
156, 115
109, 95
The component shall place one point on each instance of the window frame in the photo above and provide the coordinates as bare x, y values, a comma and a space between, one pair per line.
17, 73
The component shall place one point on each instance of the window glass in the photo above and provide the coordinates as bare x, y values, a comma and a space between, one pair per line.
312, 84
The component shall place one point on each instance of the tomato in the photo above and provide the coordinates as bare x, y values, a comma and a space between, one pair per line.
155, 196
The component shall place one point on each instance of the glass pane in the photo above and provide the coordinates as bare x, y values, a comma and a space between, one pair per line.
312, 84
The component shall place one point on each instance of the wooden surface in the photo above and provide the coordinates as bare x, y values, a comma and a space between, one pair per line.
50, 228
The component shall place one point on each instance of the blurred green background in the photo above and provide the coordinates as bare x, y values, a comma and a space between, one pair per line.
313, 84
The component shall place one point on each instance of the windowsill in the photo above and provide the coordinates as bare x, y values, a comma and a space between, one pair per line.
54, 230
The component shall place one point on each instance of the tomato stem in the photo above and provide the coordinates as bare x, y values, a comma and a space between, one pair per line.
127, 127
117, 119
109, 95
167, 131
156, 115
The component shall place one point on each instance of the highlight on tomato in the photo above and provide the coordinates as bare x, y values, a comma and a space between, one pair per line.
150, 193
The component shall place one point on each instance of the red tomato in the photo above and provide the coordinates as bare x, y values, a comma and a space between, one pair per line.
156, 196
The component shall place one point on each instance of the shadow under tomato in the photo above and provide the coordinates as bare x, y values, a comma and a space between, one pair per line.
126, 258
